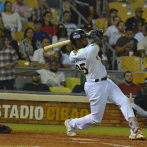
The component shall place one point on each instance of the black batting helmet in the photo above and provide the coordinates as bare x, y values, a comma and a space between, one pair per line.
78, 35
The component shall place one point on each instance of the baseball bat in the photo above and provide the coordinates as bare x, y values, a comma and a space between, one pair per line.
56, 45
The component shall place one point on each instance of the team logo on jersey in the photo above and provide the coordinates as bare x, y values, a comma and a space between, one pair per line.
76, 36
92, 44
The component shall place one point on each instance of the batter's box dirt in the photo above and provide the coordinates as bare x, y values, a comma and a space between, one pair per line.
49, 139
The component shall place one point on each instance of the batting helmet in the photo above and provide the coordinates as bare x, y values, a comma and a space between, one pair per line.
77, 35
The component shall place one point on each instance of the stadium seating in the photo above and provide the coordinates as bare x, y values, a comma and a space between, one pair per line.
130, 63
12, 1
27, 25
138, 78
121, 7
100, 23
31, 3
125, 15
54, 13
18, 36
136, 5
71, 82
23, 63
60, 89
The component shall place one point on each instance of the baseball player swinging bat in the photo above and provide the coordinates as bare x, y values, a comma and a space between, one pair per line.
57, 45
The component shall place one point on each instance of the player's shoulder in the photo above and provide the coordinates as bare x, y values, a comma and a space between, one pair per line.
94, 46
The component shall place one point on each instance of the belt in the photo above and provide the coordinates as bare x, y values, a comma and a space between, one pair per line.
101, 79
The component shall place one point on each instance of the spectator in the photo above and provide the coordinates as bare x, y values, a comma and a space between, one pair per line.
140, 101
109, 21
29, 44
37, 28
11, 21
40, 59
85, 7
116, 35
9, 41
9, 60
61, 35
53, 77
128, 87
66, 21
1, 6
101, 8
137, 28
126, 44
65, 51
50, 77
57, 58
131, 22
23, 11
141, 35
48, 27
112, 29
80, 88
37, 12
35, 85
142, 45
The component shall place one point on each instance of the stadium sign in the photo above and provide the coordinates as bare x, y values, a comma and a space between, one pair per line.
31, 112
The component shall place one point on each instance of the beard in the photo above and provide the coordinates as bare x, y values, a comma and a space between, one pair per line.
128, 82
53, 70
35, 82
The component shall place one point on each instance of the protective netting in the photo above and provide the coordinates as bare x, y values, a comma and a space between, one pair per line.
27, 26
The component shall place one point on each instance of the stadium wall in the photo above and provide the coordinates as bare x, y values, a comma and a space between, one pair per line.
53, 109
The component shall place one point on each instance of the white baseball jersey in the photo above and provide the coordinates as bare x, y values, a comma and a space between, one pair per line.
88, 62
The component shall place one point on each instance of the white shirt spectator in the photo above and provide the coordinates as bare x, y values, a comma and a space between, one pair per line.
48, 76
139, 36
110, 30
12, 21
70, 27
38, 56
55, 40
142, 44
65, 60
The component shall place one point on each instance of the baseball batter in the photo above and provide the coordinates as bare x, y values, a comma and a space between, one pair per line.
98, 87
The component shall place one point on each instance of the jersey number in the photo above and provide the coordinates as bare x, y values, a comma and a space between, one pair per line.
82, 68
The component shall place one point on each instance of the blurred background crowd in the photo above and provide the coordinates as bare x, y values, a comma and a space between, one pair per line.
26, 27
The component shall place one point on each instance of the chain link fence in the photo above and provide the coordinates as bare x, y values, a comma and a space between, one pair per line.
28, 26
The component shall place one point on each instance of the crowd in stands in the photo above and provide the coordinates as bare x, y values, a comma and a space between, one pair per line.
126, 38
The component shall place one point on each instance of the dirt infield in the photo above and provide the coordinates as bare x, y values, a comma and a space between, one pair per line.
41, 139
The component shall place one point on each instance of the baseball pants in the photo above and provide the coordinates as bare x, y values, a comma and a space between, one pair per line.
98, 93
139, 110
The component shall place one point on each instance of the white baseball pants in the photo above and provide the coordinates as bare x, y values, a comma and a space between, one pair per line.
98, 93
139, 110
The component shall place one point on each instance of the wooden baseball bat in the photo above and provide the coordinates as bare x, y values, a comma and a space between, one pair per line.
56, 45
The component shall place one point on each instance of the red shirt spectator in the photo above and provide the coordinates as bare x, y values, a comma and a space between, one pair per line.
48, 26
128, 87
50, 30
